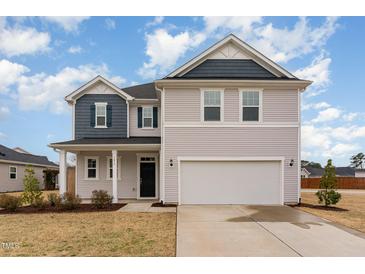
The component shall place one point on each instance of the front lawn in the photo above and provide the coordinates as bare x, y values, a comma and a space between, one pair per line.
88, 234
350, 211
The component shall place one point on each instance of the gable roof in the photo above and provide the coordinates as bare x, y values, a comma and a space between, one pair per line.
229, 69
144, 91
75, 94
231, 38
10, 155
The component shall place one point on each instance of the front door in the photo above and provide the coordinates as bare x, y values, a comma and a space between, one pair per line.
147, 180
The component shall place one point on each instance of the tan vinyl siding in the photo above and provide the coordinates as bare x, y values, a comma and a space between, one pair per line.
127, 187
231, 142
182, 105
133, 124
7, 184
280, 106
231, 105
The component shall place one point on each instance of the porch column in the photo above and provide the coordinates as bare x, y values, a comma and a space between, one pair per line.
63, 172
115, 175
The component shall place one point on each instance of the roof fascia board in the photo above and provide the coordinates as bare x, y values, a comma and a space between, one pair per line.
26, 163
75, 94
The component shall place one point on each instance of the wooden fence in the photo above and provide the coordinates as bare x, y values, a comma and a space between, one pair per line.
342, 183
71, 180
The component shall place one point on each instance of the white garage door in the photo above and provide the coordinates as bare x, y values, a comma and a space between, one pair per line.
230, 182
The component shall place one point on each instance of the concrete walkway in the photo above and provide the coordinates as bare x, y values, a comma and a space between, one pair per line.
235, 230
145, 207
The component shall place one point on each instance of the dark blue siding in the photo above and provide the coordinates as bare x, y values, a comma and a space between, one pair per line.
83, 129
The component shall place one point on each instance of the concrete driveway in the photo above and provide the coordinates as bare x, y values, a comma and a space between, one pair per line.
238, 230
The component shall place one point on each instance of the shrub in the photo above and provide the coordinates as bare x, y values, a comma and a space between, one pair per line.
69, 201
10, 202
54, 199
327, 185
39, 203
101, 199
32, 190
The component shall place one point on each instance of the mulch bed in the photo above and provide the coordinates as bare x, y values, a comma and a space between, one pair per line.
49, 209
321, 207
159, 204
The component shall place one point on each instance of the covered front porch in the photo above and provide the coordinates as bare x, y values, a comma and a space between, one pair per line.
128, 168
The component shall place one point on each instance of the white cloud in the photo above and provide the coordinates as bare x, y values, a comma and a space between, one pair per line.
4, 112
74, 49
320, 105
19, 40
313, 137
164, 49
349, 117
42, 91
3, 135
156, 21
341, 150
328, 114
68, 23
110, 24
317, 71
9, 74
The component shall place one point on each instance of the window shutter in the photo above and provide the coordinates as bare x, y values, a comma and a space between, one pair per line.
92, 115
108, 115
155, 117
139, 117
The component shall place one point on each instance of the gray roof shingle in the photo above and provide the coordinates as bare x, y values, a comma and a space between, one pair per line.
7, 154
144, 91
229, 69
112, 141
340, 171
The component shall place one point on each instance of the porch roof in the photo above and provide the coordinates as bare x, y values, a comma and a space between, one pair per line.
106, 143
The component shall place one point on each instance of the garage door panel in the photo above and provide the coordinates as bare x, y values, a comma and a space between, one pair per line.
231, 182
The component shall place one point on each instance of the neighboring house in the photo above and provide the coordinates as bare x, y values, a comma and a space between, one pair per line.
13, 163
224, 128
359, 172
313, 172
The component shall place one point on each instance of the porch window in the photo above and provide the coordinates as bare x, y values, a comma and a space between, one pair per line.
92, 166
100, 114
109, 171
147, 117
12, 172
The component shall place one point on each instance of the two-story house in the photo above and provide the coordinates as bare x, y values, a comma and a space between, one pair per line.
224, 128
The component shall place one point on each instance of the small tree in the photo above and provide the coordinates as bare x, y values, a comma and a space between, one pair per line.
357, 160
32, 192
327, 185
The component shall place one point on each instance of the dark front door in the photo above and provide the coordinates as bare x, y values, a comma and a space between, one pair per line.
147, 180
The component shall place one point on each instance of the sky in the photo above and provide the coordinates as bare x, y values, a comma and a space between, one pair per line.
42, 59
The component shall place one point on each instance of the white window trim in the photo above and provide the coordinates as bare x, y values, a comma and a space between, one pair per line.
143, 108
241, 105
86, 168
96, 114
108, 167
16, 173
202, 105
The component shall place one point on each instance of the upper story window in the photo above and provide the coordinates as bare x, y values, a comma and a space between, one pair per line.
100, 114
12, 172
147, 117
212, 108
250, 105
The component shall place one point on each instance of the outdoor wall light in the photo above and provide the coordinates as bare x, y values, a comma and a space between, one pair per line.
171, 163
291, 162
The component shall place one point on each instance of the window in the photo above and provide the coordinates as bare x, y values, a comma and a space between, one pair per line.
100, 113
250, 106
147, 117
109, 172
212, 105
91, 167
12, 172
